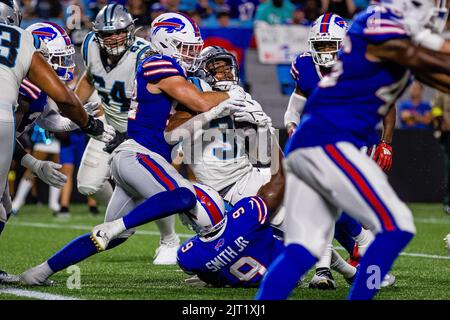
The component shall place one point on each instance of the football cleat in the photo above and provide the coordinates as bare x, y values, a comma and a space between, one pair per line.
6, 278
323, 280
36, 276
195, 281
102, 234
166, 253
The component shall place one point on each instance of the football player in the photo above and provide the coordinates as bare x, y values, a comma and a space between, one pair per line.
18, 60
111, 53
325, 40
326, 172
147, 186
223, 163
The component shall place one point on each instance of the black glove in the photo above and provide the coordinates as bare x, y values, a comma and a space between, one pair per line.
114, 143
94, 127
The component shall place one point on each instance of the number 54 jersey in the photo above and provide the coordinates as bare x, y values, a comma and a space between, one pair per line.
239, 254
114, 83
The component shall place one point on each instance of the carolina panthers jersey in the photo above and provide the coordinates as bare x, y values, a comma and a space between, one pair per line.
37, 102
149, 112
223, 160
306, 73
17, 48
114, 83
240, 254
353, 98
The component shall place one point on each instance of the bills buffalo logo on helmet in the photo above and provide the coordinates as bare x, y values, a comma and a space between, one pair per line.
170, 25
46, 34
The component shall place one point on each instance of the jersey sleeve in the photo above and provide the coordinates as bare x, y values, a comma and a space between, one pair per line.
27, 49
34, 95
294, 70
300, 65
85, 48
252, 210
159, 67
383, 27
186, 257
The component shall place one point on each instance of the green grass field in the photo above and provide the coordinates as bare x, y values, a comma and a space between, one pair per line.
127, 272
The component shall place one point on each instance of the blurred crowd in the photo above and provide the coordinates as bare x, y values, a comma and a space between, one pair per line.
204, 12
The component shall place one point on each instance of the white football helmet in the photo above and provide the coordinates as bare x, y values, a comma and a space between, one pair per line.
177, 36
325, 38
59, 47
208, 216
10, 12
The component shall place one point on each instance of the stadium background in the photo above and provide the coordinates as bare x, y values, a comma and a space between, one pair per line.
418, 170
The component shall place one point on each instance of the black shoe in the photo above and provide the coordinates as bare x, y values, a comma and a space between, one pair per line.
62, 213
94, 211
323, 280
6, 278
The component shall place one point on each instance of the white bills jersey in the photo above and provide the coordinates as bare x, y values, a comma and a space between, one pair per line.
16, 52
114, 83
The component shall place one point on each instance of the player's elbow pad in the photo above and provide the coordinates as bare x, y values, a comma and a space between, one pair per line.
294, 109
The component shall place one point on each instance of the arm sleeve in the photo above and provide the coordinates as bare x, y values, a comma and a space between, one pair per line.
294, 109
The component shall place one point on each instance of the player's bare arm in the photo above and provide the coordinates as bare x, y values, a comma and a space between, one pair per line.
187, 93
407, 54
389, 125
85, 87
42, 75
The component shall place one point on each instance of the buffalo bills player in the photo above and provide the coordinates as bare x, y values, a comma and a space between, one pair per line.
147, 186
326, 171
325, 40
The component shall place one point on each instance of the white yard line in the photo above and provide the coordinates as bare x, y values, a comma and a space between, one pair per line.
35, 294
182, 235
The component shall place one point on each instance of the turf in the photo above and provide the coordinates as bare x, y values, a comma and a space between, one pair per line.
127, 272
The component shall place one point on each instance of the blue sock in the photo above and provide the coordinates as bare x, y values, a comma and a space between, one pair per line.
285, 272
159, 206
2, 226
376, 263
77, 250
347, 228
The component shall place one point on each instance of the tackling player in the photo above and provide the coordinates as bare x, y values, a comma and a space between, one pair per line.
326, 170
147, 186
111, 54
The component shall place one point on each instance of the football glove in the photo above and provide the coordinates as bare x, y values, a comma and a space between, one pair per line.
47, 171
256, 117
115, 142
98, 130
383, 156
236, 92
92, 108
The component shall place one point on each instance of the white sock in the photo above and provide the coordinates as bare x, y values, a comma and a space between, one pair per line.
340, 265
166, 228
325, 259
53, 198
363, 240
22, 192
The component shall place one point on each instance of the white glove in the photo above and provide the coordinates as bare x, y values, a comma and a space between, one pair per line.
253, 105
225, 108
107, 135
256, 117
427, 39
236, 92
47, 171
92, 108
99, 130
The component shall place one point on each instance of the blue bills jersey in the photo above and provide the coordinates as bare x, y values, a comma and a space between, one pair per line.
37, 102
306, 73
149, 112
353, 98
241, 253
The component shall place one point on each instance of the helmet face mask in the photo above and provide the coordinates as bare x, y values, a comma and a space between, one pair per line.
114, 30
325, 39
177, 36
324, 52
59, 49
218, 68
11, 15
208, 217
